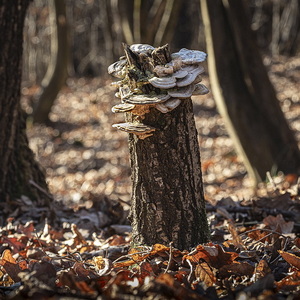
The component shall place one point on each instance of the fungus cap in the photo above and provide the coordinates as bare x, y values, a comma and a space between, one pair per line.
162, 71
136, 128
191, 77
147, 98
182, 92
163, 82
190, 57
141, 48
181, 73
168, 106
122, 107
117, 69
200, 89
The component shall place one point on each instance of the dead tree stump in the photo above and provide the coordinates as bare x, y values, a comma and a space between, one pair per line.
167, 198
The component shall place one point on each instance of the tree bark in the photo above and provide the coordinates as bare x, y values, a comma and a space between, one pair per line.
168, 204
243, 92
57, 70
167, 198
19, 171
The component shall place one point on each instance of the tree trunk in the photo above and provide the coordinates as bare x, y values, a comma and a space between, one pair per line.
57, 70
20, 174
244, 95
167, 200
167, 197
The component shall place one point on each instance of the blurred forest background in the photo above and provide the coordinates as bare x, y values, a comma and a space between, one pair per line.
96, 29
83, 157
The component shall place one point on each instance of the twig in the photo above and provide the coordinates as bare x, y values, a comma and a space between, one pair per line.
40, 189
130, 254
266, 230
170, 257
271, 180
191, 272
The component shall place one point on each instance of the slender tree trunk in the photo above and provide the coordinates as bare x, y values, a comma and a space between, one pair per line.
244, 95
20, 174
57, 70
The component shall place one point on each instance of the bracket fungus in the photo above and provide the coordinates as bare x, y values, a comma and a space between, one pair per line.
154, 83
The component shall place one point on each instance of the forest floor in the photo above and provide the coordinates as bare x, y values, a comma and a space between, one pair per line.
255, 245
87, 160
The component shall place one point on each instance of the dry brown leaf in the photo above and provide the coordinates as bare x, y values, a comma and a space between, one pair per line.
82, 272
258, 235
166, 279
290, 281
297, 242
181, 275
28, 229
67, 279
262, 269
78, 238
278, 224
236, 268
103, 265
159, 248
214, 255
137, 255
146, 269
236, 239
196, 255
10, 265
117, 240
222, 258
205, 274
15, 244
7, 257
292, 259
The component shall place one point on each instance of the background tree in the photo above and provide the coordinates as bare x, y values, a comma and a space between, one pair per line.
57, 69
244, 95
20, 174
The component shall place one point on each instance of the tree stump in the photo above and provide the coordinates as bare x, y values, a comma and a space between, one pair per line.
168, 204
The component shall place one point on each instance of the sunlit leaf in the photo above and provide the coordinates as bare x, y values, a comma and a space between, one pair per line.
262, 269
204, 274
292, 259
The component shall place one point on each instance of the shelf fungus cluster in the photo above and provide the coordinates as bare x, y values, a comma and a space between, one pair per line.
154, 78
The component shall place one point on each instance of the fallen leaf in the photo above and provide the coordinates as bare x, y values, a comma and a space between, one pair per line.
7, 257
236, 268
28, 229
290, 282
278, 224
292, 259
205, 274
237, 241
262, 269
214, 255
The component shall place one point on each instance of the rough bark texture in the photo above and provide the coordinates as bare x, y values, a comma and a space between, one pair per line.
57, 70
18, 167
167, 201
244, 95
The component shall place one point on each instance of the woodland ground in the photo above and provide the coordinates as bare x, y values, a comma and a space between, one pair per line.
86, 159
254, 251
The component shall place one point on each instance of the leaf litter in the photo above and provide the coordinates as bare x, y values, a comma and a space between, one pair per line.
254, 250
